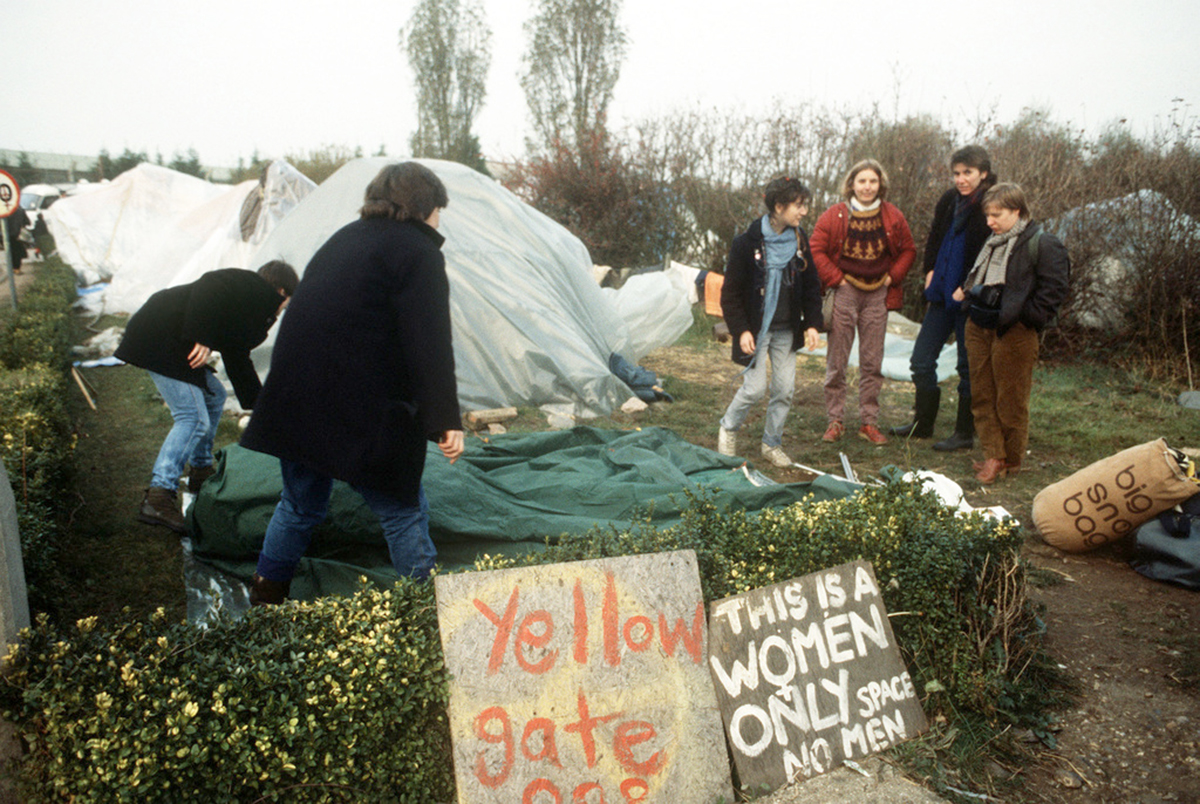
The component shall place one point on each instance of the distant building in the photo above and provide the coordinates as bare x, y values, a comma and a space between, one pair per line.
38, 167
35, 167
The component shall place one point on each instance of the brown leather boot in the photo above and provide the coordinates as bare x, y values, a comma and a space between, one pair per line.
990, 471
159, 507
268, 593
197, 475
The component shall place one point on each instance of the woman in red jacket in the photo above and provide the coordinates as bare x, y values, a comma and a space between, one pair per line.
863, 249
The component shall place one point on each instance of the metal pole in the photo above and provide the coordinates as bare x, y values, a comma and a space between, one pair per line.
12, 279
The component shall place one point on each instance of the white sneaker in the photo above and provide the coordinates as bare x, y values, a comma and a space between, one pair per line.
726, 441
776, 455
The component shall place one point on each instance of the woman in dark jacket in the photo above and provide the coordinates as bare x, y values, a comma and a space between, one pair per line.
1015, 288
957, 234
770, 278
362, 375
172, 336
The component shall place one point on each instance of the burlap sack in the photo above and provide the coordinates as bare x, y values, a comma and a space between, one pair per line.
1107, 500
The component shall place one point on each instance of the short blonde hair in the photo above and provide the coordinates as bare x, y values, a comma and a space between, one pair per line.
859, 167
1007, 195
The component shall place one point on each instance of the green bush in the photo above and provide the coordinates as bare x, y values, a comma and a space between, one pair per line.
37, 438
337, 700
344, 699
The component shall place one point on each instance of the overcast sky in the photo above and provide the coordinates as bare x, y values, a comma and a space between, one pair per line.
227, 77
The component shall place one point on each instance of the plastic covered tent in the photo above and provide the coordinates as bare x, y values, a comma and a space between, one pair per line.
153, 227
531, 325
101, 229
222, 233
505, 496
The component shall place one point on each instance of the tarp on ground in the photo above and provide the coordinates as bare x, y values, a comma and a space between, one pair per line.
153, 227
531, 325
506, 496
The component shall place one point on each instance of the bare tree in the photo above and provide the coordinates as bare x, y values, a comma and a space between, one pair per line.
574, 59
449, 49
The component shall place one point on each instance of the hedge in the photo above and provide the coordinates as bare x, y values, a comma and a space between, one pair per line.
343, 699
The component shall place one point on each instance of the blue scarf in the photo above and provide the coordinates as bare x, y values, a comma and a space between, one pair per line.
777, 253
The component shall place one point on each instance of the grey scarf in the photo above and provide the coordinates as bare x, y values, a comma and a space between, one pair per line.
991, 266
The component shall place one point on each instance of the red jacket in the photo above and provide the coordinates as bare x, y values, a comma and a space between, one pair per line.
830, 233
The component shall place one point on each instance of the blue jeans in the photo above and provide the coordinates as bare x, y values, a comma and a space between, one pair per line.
935, 331
303, 505
777, 344
197, 413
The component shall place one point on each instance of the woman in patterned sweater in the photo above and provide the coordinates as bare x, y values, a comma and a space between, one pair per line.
863, 249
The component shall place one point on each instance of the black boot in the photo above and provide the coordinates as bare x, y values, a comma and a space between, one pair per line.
964, 428
925, 414
268, 593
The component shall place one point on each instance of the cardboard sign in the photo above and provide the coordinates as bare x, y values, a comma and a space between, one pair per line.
808, 675
584, 682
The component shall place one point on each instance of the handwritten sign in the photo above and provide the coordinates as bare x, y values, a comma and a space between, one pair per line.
582, 683
808, 674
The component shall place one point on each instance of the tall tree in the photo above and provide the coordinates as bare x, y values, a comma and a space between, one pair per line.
575, 52
449, 49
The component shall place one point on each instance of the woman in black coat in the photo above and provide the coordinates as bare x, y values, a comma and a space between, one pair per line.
362, 375
957, 234
770, 266
172, 336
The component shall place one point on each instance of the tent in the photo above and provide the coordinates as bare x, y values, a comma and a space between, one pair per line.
531, 325
153, 227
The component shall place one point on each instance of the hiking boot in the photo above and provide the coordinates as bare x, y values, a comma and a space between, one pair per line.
833, 432
872, 434
726, 441
268, 593
197, 475
776, 456
159, 507
990, 471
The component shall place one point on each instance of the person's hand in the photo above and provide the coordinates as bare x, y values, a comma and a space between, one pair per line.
958, 295
887, 280
928, 280
841, 284
747, 342
199, 355
451, 444
812, 339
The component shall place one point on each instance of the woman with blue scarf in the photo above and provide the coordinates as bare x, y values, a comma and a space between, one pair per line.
771, 300
958, 233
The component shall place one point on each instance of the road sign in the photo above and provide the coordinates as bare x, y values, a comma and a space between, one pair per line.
10, 194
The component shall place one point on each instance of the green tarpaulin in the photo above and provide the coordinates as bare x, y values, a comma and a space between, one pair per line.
504, 496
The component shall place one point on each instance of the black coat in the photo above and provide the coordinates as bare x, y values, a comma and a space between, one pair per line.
362, 373
943, 217
742, 294
1033, 293
229, 310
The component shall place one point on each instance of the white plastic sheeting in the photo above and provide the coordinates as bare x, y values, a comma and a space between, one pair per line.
153, 227
222, 233
101, 230
531, 326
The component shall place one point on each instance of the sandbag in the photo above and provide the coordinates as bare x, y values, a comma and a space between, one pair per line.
1105, 501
